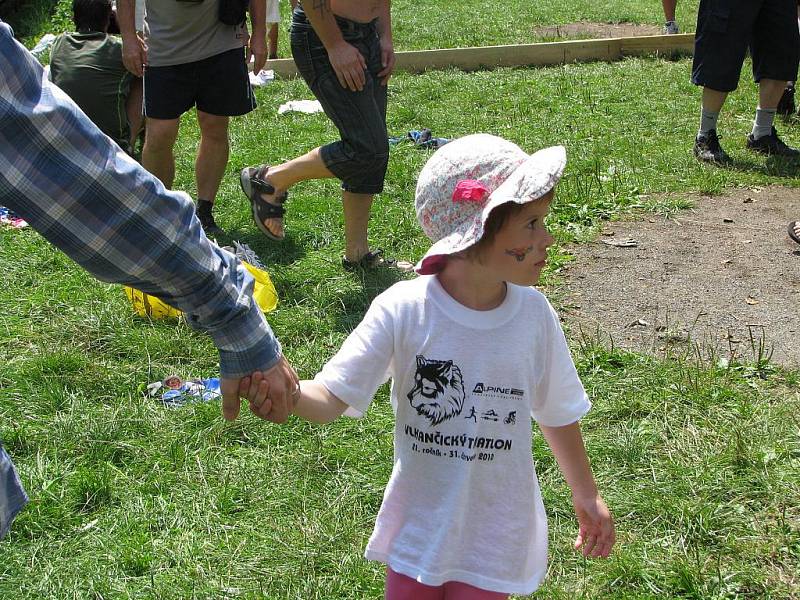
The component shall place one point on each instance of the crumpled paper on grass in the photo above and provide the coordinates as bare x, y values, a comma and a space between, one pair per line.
303, 106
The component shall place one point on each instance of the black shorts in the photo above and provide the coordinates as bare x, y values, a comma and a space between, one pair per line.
725, 29
218, 85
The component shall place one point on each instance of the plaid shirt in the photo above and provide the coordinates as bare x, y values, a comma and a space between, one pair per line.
87, 197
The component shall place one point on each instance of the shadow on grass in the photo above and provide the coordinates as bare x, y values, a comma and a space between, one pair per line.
373, 282
270, 252
775, 166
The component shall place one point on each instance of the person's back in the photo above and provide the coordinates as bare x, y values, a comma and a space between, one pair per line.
88, 67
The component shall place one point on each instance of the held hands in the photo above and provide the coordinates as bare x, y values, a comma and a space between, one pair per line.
349, 66
134, 54
596, 533
272, 395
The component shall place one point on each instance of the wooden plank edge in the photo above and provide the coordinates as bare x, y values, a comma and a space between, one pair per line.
517, 55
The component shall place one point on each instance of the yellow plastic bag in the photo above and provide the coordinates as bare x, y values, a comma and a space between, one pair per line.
145, 305
264, 292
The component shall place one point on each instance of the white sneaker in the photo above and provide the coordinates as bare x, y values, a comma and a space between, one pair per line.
671, 27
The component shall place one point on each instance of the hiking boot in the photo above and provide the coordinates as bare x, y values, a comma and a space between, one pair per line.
786, 105
771, 145
671, 28
707, 148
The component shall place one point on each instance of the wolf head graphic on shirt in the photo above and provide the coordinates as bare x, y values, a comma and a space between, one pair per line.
438, 392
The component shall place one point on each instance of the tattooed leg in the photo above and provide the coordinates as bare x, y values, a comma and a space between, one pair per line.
519, 253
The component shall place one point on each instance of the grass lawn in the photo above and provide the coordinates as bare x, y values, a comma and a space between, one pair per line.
420, 25
699, 462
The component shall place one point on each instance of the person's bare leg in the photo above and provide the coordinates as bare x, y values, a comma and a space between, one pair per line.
212, 154
713, 99
159, 141
133, 109
770, 92
356, 219
669, 9
272, 41
283, 176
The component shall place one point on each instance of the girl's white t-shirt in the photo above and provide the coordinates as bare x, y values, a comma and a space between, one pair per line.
463, 502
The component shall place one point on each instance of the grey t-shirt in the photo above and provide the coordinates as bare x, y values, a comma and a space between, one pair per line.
183, 31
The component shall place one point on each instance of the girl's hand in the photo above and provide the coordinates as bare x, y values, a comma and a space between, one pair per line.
596, 533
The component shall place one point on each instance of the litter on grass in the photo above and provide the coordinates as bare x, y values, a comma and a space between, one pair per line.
422, 138
174, 391
264, 292
9, 217
303, 106
43, 44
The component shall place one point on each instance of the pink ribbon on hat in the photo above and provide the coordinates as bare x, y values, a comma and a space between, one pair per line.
470, 190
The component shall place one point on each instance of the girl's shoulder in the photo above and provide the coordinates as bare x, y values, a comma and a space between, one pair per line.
404, 293
533, 298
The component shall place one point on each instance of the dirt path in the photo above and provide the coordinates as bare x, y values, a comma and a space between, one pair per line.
712, 274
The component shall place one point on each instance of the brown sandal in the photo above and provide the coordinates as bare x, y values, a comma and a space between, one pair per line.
375, 259
254, 183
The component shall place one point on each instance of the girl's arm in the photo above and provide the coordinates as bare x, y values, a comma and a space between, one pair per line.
317, 404
595, 525
311, 400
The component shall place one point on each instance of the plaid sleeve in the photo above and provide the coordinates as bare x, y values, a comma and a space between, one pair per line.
87, 197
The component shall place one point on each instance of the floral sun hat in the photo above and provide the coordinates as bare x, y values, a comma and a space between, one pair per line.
464, 180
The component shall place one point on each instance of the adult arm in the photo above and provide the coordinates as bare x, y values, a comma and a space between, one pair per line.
385, 37
347, 62
134, 50
257, 48
87, 197
595, 525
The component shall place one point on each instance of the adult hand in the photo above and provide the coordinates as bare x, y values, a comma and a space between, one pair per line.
271, 395
595, 526
387, 60
257, 49
134, 54
349, 66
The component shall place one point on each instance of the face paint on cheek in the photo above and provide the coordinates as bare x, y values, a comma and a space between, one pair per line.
519, 253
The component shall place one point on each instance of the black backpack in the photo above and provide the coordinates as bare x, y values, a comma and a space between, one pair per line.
233, 12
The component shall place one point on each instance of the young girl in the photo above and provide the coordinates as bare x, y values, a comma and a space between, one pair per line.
473, 353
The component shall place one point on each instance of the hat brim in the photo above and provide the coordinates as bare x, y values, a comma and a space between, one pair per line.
531, 180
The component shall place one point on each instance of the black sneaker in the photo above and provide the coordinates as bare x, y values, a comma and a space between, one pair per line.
707, 148
209, 225
206, 218
772, 145
786, 105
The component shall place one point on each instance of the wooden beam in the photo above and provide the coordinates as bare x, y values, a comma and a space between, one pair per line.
517, 55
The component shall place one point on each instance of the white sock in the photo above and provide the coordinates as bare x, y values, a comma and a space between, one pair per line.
708, 121
762, 125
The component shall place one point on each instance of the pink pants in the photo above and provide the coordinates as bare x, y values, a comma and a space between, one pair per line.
400, 587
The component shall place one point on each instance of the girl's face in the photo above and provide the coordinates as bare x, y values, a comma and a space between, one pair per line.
519, 250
